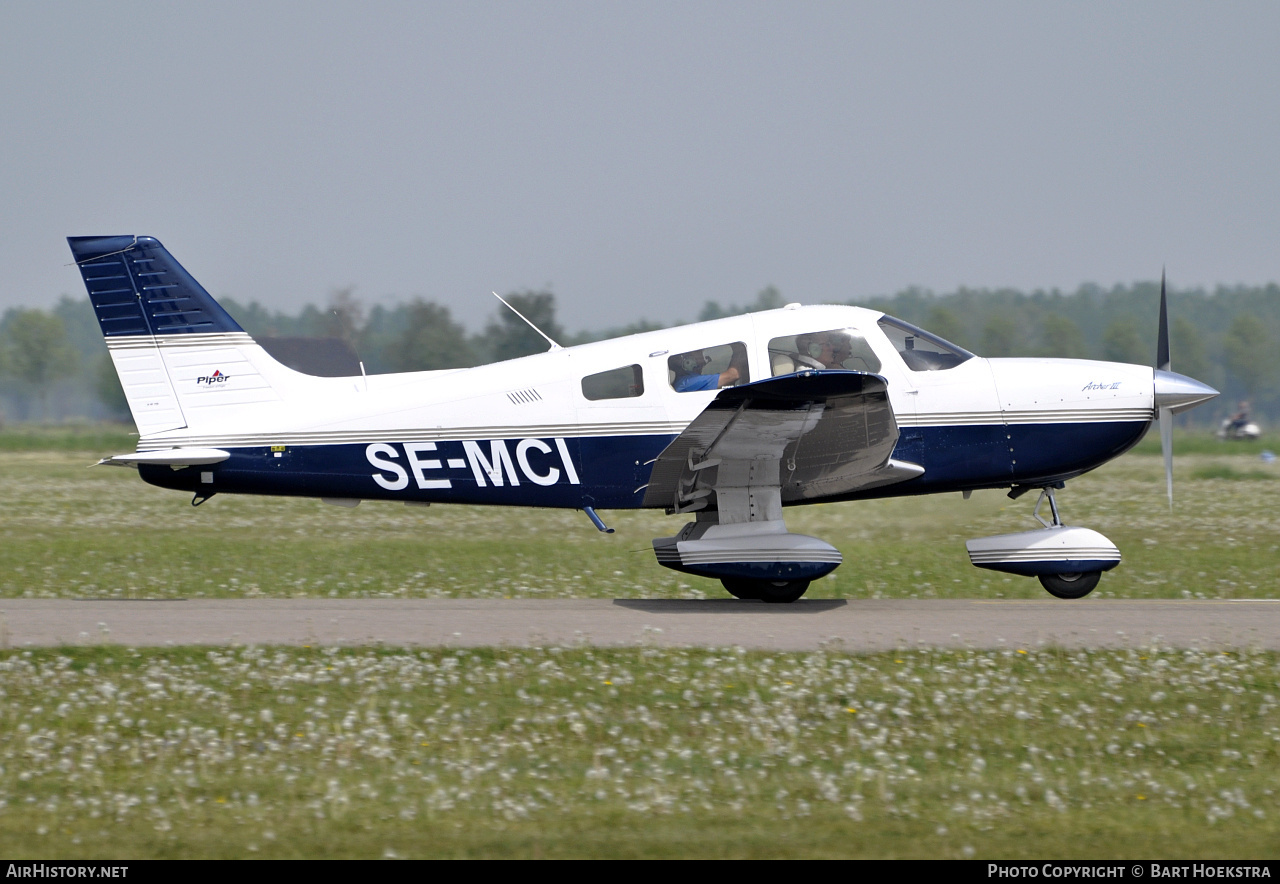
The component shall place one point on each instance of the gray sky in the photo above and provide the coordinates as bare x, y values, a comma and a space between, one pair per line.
641, 158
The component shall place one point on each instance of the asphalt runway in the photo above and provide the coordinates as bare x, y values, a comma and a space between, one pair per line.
857, 625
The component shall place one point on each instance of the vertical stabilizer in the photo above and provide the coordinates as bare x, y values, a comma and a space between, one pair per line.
182, 360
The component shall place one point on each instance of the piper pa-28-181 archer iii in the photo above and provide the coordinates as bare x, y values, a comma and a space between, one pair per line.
728, 421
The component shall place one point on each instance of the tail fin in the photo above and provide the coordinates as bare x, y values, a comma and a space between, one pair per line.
137, 288
182, 360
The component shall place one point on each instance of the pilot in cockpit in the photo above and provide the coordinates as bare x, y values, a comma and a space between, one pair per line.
833, 350
822, 350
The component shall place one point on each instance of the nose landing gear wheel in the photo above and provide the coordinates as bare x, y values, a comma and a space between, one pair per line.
1070, 586
776, 592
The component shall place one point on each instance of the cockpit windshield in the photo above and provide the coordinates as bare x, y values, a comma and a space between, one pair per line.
920, 350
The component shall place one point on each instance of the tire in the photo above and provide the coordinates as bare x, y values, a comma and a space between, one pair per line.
773, 592
1070, 586
782, 592
741, 588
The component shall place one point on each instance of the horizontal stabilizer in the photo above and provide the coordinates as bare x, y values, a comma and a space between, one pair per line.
172, 457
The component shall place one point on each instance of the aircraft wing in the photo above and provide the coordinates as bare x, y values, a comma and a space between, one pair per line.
812, 434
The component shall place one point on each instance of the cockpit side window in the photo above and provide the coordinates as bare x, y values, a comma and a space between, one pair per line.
626, 382
920, 350
709, 368
837, 349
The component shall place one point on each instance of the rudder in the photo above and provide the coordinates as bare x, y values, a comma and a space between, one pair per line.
137, 288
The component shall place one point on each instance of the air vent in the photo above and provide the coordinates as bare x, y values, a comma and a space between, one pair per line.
524, 397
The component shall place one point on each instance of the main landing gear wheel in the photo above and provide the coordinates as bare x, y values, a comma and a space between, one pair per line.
776, 592
1070, 586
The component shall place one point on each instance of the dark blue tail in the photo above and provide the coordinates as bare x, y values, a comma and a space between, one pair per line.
137, 288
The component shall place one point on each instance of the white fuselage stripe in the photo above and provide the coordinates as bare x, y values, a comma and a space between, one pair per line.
645, 428
273, 404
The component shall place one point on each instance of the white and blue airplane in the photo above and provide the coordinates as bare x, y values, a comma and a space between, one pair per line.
728, 421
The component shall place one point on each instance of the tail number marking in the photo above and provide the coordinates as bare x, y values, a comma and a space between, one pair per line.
496, 466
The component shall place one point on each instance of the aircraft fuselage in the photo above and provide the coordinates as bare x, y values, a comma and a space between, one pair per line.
582, 426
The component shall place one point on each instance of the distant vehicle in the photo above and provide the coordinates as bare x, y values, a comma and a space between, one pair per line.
728, 421
1232, 430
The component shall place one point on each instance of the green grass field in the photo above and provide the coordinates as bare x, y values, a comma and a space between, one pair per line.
70, 531
108, 438
643, 752
1203, 441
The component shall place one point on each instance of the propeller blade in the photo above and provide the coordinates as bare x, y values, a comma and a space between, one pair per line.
1162, 345
1166, 448
1165, 412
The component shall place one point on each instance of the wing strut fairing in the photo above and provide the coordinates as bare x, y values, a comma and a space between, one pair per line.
788, 439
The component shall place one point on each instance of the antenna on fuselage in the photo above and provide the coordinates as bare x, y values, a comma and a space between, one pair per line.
554, 345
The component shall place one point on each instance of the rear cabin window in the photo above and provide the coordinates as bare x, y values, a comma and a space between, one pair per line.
841, 349
920, 350
626, 382
709, 368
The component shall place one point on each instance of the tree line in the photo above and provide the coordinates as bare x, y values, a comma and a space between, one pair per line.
54, 365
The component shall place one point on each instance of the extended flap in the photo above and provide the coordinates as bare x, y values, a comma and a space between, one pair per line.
814, 434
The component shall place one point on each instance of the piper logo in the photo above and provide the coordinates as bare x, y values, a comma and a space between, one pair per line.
216, 378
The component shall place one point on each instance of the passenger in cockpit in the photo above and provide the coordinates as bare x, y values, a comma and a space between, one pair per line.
689, 377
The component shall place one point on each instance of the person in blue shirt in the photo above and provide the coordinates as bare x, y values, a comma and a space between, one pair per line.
689, 377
